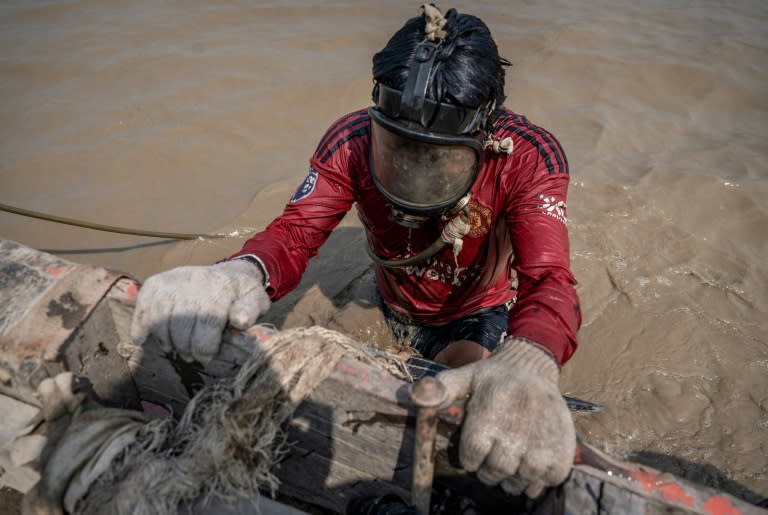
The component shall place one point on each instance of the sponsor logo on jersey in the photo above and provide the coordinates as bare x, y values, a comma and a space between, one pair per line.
446, 273
553, 207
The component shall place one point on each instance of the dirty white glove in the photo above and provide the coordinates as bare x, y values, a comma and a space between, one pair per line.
517, 429
187, 308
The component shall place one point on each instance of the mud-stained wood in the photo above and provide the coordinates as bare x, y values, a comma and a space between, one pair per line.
341, 452
49, 323
352, 437
92, 353
25, 276
44, 302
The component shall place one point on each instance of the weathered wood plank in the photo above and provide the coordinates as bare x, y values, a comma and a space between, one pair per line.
353, 436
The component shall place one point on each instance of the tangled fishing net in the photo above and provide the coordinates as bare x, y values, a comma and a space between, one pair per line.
230, 435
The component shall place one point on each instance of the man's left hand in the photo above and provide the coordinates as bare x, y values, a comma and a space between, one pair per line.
517, 429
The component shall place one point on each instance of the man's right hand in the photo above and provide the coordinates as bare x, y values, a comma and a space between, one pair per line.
187, 308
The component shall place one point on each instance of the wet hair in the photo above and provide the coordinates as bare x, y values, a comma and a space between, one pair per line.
468, 71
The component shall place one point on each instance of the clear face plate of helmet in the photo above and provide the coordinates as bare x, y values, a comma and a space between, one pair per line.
420, 176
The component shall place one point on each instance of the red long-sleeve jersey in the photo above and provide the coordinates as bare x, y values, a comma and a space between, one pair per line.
518, 222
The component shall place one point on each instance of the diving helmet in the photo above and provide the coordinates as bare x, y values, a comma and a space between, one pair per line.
425, 154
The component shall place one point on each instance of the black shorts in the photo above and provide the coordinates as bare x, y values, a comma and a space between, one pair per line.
486, 327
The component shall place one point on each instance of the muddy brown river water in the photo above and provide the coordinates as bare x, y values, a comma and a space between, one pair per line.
200, 117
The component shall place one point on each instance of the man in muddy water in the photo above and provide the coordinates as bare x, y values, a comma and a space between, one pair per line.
454, 192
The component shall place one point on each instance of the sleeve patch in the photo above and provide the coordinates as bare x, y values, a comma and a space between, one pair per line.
553, 207
306, 188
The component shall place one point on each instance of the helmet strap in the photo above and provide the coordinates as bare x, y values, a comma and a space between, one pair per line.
415, 90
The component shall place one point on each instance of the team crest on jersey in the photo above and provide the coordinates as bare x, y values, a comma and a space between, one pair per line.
554, 208
479, 219
306, 188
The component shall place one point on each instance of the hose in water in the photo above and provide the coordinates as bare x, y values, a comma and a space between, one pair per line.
108, 228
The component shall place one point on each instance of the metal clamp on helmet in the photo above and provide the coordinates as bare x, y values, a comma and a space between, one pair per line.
425, 154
